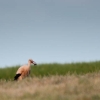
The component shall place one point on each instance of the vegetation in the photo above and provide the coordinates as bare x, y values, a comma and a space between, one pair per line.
75, 81
53, 69
56, 87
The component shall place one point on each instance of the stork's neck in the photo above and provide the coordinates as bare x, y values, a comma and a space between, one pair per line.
29, 63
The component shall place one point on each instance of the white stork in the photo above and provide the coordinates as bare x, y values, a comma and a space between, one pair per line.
24, 70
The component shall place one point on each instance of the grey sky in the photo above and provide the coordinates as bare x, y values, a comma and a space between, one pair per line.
49, 31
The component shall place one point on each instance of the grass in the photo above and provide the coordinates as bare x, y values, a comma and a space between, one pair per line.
63, 69
56, 87
75, 81
53, 69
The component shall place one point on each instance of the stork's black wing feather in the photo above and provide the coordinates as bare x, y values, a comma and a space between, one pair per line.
16, 77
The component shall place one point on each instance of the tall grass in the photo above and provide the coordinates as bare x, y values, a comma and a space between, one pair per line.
68, 87
53, 69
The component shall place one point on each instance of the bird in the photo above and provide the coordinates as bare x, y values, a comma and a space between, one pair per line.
24, 70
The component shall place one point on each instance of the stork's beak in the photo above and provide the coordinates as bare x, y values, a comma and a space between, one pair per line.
34, 63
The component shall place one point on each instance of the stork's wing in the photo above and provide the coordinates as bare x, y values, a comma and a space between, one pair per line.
20, 70
16, 77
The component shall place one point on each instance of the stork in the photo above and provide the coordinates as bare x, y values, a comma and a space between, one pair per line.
24, 70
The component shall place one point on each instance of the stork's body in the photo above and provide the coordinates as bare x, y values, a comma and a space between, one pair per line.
24, 70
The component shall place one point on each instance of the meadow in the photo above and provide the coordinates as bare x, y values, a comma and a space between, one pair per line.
41, 70
70, 81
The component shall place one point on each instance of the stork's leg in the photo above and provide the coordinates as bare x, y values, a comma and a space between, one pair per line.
20, 78
28, 73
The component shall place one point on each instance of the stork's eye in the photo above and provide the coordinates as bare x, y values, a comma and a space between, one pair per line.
31, 61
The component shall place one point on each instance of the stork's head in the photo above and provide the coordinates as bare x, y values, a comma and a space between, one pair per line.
32, 62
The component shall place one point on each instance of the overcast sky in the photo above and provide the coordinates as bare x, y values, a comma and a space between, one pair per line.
48, 31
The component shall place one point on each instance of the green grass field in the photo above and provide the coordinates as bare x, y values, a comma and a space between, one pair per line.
53, 69
75, 81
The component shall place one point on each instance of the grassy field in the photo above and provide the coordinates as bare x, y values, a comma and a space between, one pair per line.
75, 81
57, 87
53, 69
